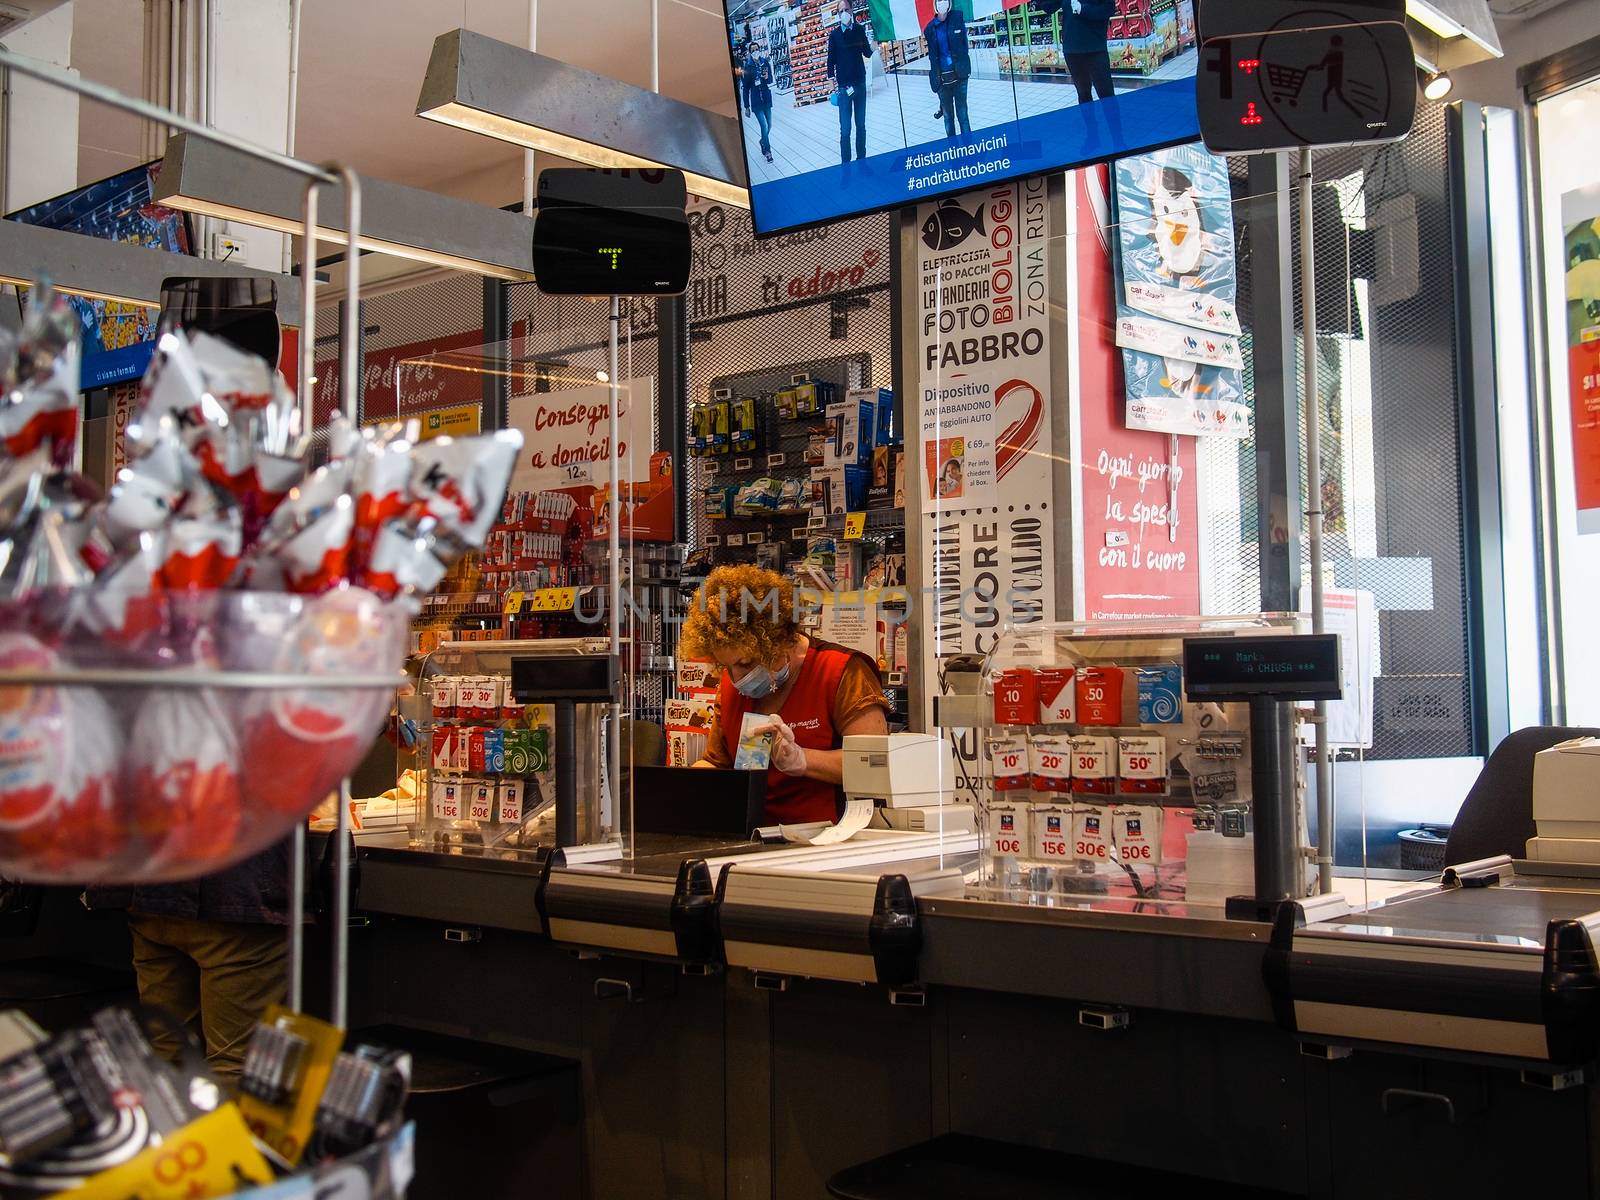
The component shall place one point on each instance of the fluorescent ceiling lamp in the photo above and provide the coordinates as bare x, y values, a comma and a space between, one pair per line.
1450, 19
541, 103
200, 176
118, 271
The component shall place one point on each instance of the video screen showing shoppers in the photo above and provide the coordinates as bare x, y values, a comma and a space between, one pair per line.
852, 105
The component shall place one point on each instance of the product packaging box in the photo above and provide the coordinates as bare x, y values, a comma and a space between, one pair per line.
742, 424
852, 422
699, 430
899, 478
718, 440
697, 676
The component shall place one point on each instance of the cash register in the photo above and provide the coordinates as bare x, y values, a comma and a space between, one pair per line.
904, 776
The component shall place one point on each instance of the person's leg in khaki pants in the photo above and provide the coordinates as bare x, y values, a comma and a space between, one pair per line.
217, 977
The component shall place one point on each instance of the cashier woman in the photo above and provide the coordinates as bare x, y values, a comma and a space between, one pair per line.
815, 692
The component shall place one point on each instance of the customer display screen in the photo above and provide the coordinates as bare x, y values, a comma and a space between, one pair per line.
1302, 667
852, 106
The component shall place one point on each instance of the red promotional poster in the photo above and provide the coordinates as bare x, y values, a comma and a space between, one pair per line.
1141, 545
1580, 220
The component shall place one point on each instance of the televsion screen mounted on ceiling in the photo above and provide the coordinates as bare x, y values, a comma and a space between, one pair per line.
904, 102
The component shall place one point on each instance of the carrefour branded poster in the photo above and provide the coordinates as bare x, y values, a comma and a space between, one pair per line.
1140, 548
1580, 220
1176, 321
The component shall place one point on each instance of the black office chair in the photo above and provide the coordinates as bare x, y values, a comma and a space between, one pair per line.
1497, 815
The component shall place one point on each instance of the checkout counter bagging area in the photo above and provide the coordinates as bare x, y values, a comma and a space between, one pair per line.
1092, 958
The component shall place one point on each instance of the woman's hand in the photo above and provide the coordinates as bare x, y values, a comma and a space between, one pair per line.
788, 755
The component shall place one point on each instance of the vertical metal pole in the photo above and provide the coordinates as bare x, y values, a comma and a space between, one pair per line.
1277, 862
566, 762
307, 388
1313, 422
174, 53
294, 108
614, 592
350, 357
528, 165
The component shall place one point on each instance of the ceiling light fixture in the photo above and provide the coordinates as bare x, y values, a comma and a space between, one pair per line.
98, 269
540, 103
1449, 19
1437, 86
212, 180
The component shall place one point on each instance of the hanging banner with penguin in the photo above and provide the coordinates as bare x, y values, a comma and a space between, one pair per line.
1177, 286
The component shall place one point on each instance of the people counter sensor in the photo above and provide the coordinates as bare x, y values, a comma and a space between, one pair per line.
1277, 74
611, 233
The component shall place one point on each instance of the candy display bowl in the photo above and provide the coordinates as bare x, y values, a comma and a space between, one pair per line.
199, 732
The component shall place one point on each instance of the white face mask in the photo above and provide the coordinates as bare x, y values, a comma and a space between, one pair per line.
942, 8
846, 19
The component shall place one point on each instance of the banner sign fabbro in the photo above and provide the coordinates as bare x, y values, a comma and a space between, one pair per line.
980, 451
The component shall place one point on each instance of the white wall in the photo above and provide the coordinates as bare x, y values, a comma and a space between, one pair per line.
251, 97
1495, 81
42, 158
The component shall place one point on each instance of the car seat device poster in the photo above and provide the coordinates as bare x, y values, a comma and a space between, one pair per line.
1177, 287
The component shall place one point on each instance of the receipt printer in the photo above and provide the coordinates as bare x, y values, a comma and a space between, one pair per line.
1566, 802
894, 770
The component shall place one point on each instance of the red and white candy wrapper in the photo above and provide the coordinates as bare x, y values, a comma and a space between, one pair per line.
461, 482
317, 558
146, 493
59, 750
125, 603
382, 477
314, 737
403, 560
174, 403
183, 769
202, 546
40, 408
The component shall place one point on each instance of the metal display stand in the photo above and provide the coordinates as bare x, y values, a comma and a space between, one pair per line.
350, 360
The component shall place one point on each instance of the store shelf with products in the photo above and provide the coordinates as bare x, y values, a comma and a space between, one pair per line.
1102, 780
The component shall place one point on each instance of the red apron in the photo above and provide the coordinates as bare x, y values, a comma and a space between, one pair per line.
808, 710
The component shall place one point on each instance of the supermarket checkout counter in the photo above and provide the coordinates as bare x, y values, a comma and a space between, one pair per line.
751, 1017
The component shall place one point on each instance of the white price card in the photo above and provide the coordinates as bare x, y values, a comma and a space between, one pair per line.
1009, 753
1091, 835
1094, 764
446, 800
511, 802
1052, 832
481, 801
1050, 762
1008, 829
1136, 831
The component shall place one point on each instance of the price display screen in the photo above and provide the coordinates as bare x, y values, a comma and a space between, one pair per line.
1304, 667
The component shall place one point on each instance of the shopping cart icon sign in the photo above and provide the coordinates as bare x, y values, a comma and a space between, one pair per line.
1285, 83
